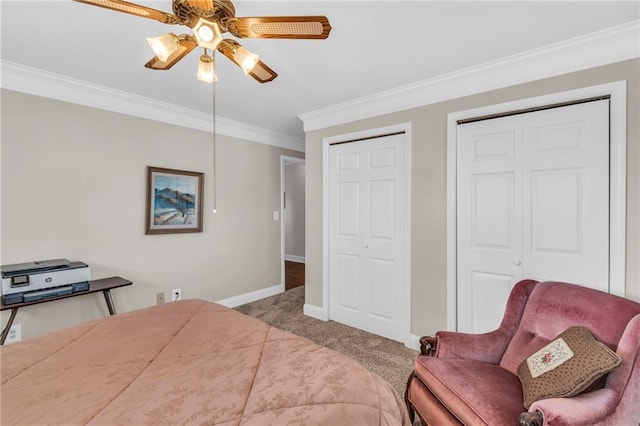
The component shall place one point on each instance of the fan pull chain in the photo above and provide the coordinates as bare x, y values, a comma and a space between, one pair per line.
213, 122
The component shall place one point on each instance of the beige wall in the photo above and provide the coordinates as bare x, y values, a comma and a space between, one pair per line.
428, 258
74, 186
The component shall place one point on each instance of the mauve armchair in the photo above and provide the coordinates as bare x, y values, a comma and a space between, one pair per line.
471, 379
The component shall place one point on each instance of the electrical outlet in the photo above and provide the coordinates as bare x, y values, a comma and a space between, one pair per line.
176, 294
15, 334
160, 298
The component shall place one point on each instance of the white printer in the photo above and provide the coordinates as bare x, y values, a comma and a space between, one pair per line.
32, 281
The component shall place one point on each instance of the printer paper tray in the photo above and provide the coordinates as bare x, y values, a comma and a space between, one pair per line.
47, 293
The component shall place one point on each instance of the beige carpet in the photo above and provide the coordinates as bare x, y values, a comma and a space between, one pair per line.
389, 359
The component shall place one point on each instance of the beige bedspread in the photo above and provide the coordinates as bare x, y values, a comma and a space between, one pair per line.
188, 362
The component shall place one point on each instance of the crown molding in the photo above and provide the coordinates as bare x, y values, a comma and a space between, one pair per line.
614, 44
38, 82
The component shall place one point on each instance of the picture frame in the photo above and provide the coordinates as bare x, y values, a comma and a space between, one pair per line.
174, 201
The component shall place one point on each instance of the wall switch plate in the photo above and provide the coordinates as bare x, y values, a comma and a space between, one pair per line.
160, 298
276, 215
176, 294
15, 334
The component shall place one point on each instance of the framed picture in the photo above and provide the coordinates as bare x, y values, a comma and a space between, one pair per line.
174, 201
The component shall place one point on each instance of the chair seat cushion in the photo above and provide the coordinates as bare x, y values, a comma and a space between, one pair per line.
476, 392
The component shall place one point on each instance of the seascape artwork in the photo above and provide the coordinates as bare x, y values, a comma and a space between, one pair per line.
174, 201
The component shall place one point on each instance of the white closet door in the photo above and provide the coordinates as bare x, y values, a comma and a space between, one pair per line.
367, 238
566, 195
532, 202
489, 219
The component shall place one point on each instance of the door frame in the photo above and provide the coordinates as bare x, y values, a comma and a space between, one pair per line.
617, 92
284, 161
406, 285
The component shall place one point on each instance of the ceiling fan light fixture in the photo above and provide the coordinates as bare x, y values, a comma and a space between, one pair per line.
209, 20
164, 46
206, 69
247, 60
207, 33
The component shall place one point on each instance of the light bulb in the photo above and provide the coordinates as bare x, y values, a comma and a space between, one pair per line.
205, 33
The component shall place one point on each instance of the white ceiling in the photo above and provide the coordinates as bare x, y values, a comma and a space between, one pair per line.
373, 46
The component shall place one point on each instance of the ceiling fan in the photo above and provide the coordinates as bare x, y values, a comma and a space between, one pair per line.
209, 19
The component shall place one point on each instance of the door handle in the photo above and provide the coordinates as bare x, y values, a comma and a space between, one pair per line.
517, 262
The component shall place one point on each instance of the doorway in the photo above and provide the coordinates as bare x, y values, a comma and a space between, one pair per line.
293, 172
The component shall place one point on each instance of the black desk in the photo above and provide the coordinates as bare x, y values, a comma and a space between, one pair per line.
104, 285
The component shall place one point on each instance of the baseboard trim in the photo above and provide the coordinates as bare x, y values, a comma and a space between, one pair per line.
314, 312
241, 299
297, 259
414, 342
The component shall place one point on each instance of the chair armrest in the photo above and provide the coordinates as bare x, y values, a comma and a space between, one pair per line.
428, 345
584, 409
530, 419
488, 347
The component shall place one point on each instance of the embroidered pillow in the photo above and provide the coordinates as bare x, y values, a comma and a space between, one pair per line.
566, 366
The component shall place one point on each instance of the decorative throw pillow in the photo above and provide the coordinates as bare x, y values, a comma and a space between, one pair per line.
566, 366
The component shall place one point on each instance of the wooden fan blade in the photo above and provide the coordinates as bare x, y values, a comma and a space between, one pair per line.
187, 44
280, 27
261, 72
134, 9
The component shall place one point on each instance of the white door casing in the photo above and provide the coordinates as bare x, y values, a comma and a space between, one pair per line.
538, 181
366, 266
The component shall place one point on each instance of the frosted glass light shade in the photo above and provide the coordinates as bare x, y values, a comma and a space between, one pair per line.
245, 59
164, 46
207, 34
206, 70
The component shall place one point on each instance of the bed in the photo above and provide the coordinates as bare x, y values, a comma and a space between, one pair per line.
188, 362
